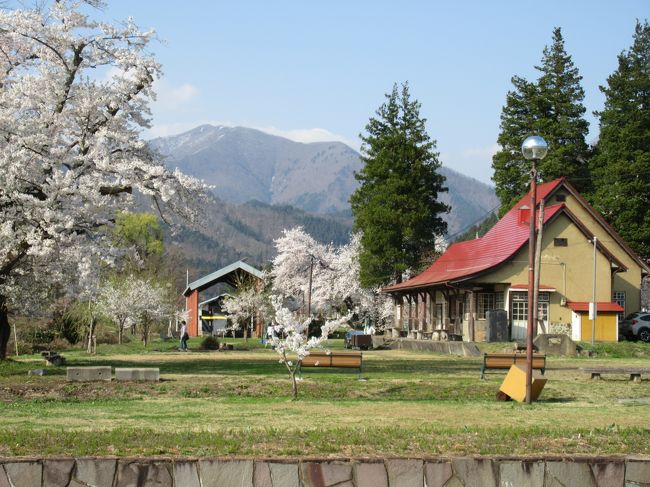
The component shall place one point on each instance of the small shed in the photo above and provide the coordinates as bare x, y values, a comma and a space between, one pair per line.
232, 275
606, 329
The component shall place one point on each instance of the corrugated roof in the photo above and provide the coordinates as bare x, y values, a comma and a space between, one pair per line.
222, 276
466, 259
603, 306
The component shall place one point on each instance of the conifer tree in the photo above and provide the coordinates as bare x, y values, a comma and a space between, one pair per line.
396, 206
621, 165
551, 107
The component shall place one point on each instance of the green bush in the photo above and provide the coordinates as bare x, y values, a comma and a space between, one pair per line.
209, 343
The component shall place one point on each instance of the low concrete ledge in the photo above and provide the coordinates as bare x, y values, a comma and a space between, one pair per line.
141, 373
86, 374
613, 471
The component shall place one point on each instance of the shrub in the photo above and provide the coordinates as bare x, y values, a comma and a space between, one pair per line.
210, 343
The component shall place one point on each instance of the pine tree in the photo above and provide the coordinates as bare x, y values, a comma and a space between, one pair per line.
552, 107
511, 170
621, 166
396, 206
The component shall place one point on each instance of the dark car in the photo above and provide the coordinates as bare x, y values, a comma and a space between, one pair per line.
636, 326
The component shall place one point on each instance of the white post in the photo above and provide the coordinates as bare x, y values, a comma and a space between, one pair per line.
595, 305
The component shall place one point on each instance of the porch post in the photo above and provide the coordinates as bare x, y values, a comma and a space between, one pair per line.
470, 320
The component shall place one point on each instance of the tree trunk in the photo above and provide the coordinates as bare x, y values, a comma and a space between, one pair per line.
120, 332
294, 384
5, 329
91, 332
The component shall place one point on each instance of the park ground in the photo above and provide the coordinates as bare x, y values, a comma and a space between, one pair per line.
238, 403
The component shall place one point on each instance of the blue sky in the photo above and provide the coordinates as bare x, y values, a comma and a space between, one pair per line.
313, 70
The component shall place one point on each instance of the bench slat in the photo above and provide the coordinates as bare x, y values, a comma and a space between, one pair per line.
506, 360
352, 360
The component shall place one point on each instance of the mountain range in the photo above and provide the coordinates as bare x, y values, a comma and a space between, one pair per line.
264, 183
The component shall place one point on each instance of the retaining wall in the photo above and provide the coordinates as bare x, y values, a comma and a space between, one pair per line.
617, 471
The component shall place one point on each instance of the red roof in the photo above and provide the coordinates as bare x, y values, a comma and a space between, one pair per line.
466, 259
601, 306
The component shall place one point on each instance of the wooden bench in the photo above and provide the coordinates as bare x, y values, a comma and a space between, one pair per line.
506, 360
346, 360
635, 372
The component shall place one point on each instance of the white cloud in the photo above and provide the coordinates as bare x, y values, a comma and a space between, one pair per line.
169, 96
310, 135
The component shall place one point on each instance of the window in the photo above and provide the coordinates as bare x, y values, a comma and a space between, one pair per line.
619, 298
560, 242
499, 303
560, 197
486, 302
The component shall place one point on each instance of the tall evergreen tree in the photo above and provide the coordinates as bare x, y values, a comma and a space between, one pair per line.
396, 205
552, 107
621, 165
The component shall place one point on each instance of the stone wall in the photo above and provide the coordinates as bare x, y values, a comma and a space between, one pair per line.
612, 471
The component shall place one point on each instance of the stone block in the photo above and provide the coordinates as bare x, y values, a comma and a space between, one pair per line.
57, 472
637, 473
226, 473
405, 472
24, 474
262, 475
335, 473
186, 474
325, 474
4, 481
95, 472
530, 474
437, 474
474, 471
85, 374
370, 475
141, 373
609, 474
37, 372
575, 474
284, 474
132, 473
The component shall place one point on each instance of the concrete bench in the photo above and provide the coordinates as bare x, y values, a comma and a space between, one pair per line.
87, 374
634, 372
141, 373
347, 360
506, 360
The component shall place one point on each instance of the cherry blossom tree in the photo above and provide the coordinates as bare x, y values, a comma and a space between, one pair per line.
301, 267
134, 300
288, 336
115, 302
243, 307
74, 97
334, 279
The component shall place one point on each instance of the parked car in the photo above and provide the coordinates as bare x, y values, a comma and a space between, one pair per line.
636, 326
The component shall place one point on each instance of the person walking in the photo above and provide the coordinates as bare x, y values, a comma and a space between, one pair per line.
184, 337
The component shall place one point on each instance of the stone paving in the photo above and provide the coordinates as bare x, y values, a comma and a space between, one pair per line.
613, 471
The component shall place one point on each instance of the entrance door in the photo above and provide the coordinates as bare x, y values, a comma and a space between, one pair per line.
519, 314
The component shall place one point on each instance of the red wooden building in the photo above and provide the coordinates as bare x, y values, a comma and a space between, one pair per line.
233, 275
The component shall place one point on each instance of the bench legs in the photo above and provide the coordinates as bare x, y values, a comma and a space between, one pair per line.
635, 377
595, 375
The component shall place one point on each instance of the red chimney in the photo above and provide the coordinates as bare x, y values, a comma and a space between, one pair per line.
524, 215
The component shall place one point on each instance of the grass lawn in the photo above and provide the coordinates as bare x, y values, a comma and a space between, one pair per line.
238, 403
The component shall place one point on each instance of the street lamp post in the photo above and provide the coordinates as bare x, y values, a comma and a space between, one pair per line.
534, 149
